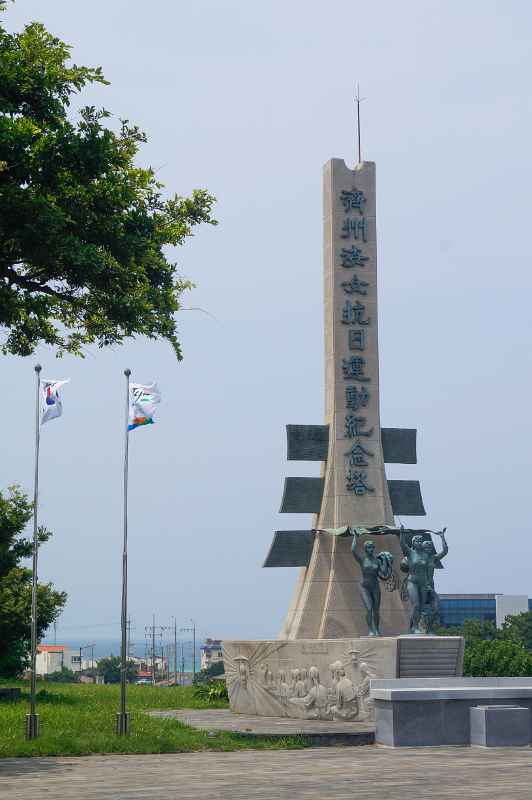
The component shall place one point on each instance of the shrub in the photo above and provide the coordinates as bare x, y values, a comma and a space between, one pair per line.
211, 692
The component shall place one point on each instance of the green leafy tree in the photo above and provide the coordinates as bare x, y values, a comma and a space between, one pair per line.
83, 228
109, 668
15, 585
473, 630
518, 628
497, 658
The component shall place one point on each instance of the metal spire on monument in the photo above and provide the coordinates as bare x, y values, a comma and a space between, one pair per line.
353, 489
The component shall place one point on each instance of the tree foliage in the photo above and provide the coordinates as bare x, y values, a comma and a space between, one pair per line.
109, 668
497, 658
472, 630
15, 585
212, 671
518, 628
496, 652
83, 228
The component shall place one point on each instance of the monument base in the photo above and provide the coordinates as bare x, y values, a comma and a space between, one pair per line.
431, 713
330, 678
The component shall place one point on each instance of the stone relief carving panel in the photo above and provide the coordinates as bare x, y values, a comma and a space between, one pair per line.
303, 679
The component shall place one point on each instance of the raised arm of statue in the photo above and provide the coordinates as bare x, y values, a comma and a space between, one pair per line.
402, 541
445, 547
354, 550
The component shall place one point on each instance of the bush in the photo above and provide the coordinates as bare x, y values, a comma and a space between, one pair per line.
211, 692
498, 658
64, 675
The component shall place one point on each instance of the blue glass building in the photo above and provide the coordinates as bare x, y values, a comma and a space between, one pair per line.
456, 608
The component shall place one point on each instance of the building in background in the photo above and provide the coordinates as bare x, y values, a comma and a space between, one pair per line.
52, 658
211, 652
456, 608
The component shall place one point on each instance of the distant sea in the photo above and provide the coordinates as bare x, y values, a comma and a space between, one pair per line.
111, 647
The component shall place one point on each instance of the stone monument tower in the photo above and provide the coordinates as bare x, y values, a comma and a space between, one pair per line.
351, 445
322, 664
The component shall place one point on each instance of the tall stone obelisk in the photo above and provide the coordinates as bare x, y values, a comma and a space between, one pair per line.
327, 602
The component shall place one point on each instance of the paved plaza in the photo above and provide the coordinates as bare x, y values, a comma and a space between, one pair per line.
371, 773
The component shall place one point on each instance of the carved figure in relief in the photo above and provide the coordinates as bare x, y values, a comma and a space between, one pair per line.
315, 704
374, 568
263, 674
305, 678
243, 670
366, 703
335, 677
284, 689
294, 677
299, 689
346, 706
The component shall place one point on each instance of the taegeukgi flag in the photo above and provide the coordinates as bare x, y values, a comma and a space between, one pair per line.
142, 403
51, 405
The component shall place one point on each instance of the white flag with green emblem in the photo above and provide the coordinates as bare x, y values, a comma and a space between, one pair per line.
142, 403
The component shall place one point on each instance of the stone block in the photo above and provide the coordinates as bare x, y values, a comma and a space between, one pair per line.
433, 712
500, 726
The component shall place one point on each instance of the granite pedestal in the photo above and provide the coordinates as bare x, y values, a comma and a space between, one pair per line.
432, 712
500, 726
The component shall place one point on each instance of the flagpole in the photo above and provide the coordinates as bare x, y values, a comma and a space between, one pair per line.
32, 719
122, 721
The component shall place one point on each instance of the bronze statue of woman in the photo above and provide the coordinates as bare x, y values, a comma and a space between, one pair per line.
374, 567
420, 582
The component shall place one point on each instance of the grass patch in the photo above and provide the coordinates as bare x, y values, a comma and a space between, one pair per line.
79, 719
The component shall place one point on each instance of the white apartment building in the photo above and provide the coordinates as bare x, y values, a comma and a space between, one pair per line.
52, 658
211, 652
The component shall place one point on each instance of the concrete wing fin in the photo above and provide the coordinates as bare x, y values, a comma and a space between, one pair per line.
399, 445
302, 496
290, 549
406, 498
307, 442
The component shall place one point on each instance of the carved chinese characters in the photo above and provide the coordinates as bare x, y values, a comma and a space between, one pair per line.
358, 323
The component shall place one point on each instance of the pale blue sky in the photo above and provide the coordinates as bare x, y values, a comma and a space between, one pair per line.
249, 100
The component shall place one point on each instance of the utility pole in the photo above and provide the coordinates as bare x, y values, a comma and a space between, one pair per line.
84, 647
153, 652
175, 652
192, 630
182, 663
151, 631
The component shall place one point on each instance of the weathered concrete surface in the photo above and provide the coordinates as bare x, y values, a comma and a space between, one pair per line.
319, 732
371, 773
